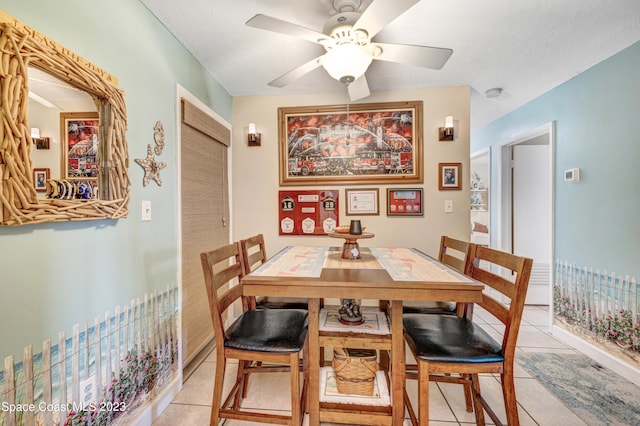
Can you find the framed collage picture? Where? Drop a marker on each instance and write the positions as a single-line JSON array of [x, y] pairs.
[[351, 144], [79, 142]]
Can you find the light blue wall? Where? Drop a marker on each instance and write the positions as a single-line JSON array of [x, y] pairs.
[[53, 276], [597, 116]]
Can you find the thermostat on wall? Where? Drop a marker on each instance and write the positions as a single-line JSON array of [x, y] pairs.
[[572, 175]]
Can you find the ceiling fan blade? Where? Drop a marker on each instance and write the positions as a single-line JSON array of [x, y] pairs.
[[268, 23], [422, 56], [358, 89], [296, 73], [380, 13]]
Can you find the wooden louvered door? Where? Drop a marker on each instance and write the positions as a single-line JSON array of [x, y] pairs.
[[205, 218]]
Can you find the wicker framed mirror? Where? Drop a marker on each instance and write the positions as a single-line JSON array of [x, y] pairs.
[[21, 47]]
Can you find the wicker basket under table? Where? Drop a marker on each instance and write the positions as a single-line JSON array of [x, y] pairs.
[[355, 370]]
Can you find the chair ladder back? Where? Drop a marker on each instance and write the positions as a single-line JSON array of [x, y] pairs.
[[460, 261], [515, 290], [222, 267], [493, 280], [254, 252]]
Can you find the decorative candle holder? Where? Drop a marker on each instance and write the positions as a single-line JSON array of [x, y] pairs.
[[355, 228]]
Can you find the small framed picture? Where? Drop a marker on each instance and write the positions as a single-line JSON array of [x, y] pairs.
[[40, 177], [405, 202], [362, 202], [449, 175], [42, 143]]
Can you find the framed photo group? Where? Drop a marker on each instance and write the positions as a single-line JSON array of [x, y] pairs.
[[377, 143], [400, 202]]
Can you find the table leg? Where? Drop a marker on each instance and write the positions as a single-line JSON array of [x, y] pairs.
[[314, 362], [397, 363]]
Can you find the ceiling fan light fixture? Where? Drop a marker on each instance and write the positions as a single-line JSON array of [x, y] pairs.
[[347, 62]]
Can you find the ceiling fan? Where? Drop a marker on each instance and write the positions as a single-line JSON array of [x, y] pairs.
[[347, 38]]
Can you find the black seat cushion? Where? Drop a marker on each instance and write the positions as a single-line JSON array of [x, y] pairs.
[[282, 303], [448, 338], [413, 307], [269, 330]]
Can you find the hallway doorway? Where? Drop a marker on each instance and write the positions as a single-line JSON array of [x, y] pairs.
[[526, 205]]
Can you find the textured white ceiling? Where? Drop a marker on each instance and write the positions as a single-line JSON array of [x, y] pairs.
[[527, 47]]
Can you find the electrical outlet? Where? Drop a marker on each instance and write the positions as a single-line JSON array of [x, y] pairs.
[[146, 210], [448, 206]]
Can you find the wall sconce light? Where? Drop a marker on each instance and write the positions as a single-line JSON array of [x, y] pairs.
[[41, 143], [446, 132], [252, 137]]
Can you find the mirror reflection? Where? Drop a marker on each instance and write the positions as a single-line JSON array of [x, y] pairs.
[[64, 120]]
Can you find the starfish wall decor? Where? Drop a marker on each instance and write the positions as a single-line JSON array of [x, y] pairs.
[[151, 167], [149, 164]]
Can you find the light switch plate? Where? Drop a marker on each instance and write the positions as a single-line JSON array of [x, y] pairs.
[[448, 206], [146, 210]]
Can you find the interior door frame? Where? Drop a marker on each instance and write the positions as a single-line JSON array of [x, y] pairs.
[[475, 155], [182, 93], [504, 197]]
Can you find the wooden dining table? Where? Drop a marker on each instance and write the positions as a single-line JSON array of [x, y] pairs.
[[391, 275]]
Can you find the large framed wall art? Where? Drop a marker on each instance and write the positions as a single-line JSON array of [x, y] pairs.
[[351, 144], [79, 142]]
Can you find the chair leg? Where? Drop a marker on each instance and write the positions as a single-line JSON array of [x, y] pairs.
[[243, 378], [468, 396], [407, 404], [477, 403], [423, 393], [509, 393], [296, 417], [245, 385], [305, 376], [242, 383], [218, 384]]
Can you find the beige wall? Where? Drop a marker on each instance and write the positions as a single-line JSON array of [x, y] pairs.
[[255, 179]]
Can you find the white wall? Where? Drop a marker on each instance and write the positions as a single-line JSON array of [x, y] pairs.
[[256, 178]]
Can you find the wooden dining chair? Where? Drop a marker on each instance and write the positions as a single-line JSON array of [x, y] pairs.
[[448, 344], [456, 254], [453, 253], [255, 254], [264, 340]]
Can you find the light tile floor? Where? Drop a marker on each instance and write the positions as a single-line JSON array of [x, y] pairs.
[[537, 406]]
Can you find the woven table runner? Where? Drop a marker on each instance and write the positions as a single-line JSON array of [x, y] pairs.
[[404, 264], [300, 261], [367, 261]]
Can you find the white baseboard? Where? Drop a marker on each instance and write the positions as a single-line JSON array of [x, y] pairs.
[[159, 403], [617, 365]]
